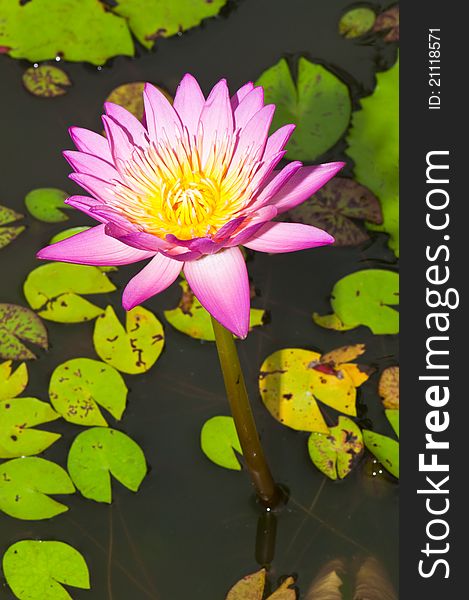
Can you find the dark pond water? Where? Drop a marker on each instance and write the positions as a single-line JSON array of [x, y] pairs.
[[191, 530]]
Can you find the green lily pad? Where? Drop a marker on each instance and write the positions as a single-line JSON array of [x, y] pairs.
[[25, 485], [98, 453], [356, 22], [79, 386], [191, 318], [373, 143], [77, 31], [220, 443], [134, 349], [19, 324], [52, 290], [338, 207], [12, 383], [8, 234], [366, 298], [331, 321], [337, 453], [319, 104], [151, 19], [47, 204], [384, 449], [35, 570], [393, 418], [46, 81], [18, 416]]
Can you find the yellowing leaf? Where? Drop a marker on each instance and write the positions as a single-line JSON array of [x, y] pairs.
[[389, 387], [12, 383], [343, 354], [252, 587], [134, 349], [130, 97]]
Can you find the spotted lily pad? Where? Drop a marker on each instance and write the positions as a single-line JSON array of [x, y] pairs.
[[318, 103], [366, 298], [98, 453], [46, 81], [337, 453], [18, 324], [17, 417], [47, 204], [291, 381], [12, 383], [384, 449], [389, 387], [220, 443], [338, 208], [191, 318], [10, 233], [53, 289], [252, 587], [25, 486], [388, 23], [373, 143], [35, 570], [79, 386], [356, 22], [134, 349], [130, 97]]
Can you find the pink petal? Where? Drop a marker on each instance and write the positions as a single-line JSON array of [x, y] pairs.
[[93, 247], [91, 165], [125, 233], [216, 118], [276, 183], [304, 184], [100, 189], [252, 226], [278, 140], [85, 205], [134, 129], [241, 93], [155, 277], [252, 138], [189, 102], [220, 282], [119, 140], [248, 107], [287, 237], [163, 122], [91, 143]]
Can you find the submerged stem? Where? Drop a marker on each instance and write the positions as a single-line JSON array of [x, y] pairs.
[[267, 491]]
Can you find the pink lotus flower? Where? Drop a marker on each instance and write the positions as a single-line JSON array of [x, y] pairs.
[[185, 191]]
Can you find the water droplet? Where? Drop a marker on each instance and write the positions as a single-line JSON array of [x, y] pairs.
[[99, 68], [35, 65], [57, 58]]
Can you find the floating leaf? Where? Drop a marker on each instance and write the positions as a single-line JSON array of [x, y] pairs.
[[219, 441], [53, 289], [25, 483], [12, 383], [98, 453], [290, 383], [78, 31], [393, 417], [285, 591], [134, 349], [343, 354], [191, 318], [151, 19], [389, 387], [388, 21], [330, 322], [19, 324], [374, 146], [34, 570], [79, 385], [356, 22], [336, 454], [46, 81], [252, 586], [130, 97], [384, 449], [365, 298], [47, 204], [17, 417], [8, 234], [336, 207], [319, 104]]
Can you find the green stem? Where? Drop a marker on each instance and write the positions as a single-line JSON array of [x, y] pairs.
[[267, 491]]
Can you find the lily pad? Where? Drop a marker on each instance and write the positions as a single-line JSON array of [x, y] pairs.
[[319, 104], [393, 417], [290, 384], [52, 290], [47, 204], [331, 321], [130, 97], [338, 208], [384, 449], [365, 298], [373, 143], [8, 234], [12, 383], [25, 485], [252, 587], [46, 81], [356, 22], [388, 22], [18, 416], [98, 453], [151, 19], [35, 570], [79, 386], [220, 443], [77, 31], [335, 454], [19, 324], [389, 387]]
